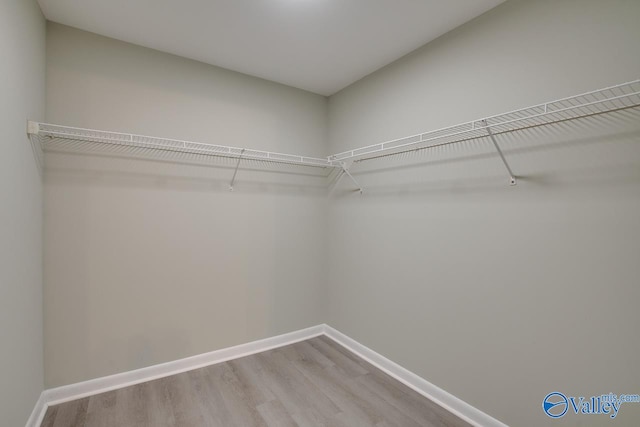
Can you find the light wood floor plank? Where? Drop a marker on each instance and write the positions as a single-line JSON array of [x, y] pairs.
[[311, 383], [358, 410], [307, 404], [275, 414], [255, 390], [159, 408], [242, 413], [101, 411], [347, 362]]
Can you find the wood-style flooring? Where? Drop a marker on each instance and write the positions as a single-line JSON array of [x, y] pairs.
[[311, 383]]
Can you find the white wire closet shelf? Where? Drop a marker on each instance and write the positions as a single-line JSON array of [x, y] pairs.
[[47, 134], [600, 101], [625, 95]]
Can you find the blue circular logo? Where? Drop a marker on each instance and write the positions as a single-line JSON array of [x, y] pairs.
[[555, 404]]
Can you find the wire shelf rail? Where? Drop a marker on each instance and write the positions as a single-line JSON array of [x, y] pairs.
[[47, 134], [605, 100], [622, 96]]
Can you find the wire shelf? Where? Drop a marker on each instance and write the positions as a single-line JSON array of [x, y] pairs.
[[50, 136], [609, 99], [622, 96]]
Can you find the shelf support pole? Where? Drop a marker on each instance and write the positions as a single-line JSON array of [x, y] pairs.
[[354, 180], [235, 172], [504, 160], [336, 181], [345, 170]]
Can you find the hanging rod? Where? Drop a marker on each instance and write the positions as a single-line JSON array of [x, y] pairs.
[[47, 133], [609, 99]]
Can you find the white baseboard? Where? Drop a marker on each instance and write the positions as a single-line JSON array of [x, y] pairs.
[[82, 389], [79, 390], [462, 409], [35, 419]]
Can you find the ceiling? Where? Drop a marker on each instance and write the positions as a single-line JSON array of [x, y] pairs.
[[318, 45]]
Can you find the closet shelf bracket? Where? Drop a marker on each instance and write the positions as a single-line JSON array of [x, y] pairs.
[[33, 128], [512, 177], [235, 172], [345, 170]]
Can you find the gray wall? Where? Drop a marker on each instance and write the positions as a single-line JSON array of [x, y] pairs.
[[498, 294], [22, 79], [150, 261]]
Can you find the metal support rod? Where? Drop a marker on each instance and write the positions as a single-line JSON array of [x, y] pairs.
[[495, 143], [236, 171], [336, 181], [346, 171]]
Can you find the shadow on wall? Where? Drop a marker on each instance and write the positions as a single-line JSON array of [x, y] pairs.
[[589, 152], [140, 247], [74, 163], [592, 151]]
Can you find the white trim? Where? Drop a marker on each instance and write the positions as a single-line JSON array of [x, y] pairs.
[[79, 390], [37, 415], [451, 403], [82, 389]]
